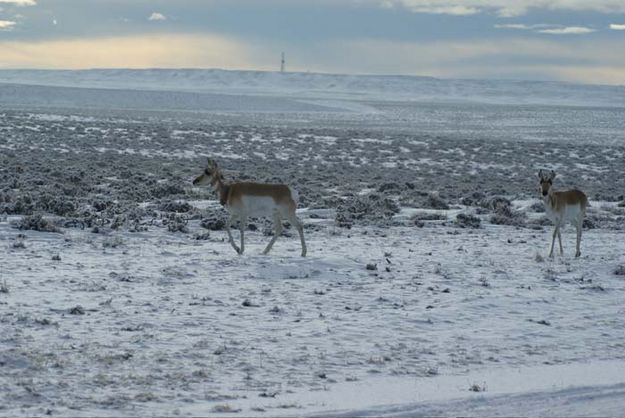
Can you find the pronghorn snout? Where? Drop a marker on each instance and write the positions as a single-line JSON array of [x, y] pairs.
[[201, 180], [545, 192]]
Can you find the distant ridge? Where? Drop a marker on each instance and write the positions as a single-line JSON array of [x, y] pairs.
[[322, 85]]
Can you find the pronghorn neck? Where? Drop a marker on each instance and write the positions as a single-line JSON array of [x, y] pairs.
[[550, 199], [222, 189]]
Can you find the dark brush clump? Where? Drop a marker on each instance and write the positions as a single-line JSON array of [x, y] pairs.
[[464, 220], [474, 199], [176, 223], [60, 206], [434, 201], [504, 214], [35, 223], [215, 221], [495, 202], [539, 223], [425, 216], [16, 204], [370, 208], [603, 221], [175, 188], [538, 207], [175, 206]]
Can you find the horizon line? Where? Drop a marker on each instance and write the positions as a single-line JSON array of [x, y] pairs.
[[323, 73]]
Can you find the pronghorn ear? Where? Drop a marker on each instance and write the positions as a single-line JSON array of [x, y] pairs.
[[540, 173], [552, 175]]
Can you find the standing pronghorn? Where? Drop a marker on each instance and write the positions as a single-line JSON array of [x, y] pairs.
[[243, 200], [562, 207]]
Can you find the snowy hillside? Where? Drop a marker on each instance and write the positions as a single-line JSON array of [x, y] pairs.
[[316, 85]]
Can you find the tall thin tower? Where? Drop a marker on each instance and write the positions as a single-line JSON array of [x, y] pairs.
[[282, 63]]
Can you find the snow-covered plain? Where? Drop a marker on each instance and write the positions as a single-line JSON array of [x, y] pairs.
[[329, 86], [141, 307]]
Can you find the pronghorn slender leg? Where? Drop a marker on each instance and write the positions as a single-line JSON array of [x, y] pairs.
[[560, 242], [579, 237], [242, 226], [553, 239], [300, 230], [277, 223], [230, 239]]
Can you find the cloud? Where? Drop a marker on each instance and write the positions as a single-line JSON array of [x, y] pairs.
[[157, 17], [6, 24], [504, 8], [568, 30], [514, 26], [615, 26], [554, 58], [20, 2], [547, 28], [456, 10], [162, 50]]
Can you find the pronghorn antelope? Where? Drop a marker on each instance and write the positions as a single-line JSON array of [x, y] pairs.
[[562, 207], [243, 200]]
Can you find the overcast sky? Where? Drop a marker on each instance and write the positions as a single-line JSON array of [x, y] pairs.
[[570, 40]]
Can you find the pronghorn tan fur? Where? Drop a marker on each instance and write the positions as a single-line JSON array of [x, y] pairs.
[[562, 207], [243, 200]]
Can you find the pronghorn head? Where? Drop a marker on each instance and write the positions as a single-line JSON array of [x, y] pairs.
[[211, 175], [546, 180]]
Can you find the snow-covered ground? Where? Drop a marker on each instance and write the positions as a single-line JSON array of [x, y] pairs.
[[134, 323], [427, 290]]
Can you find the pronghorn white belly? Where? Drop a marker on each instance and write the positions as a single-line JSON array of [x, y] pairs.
[[570, 213], [258, 206]]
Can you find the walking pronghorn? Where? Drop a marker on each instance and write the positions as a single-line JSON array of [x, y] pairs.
[[243, 200], [562, 207]]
